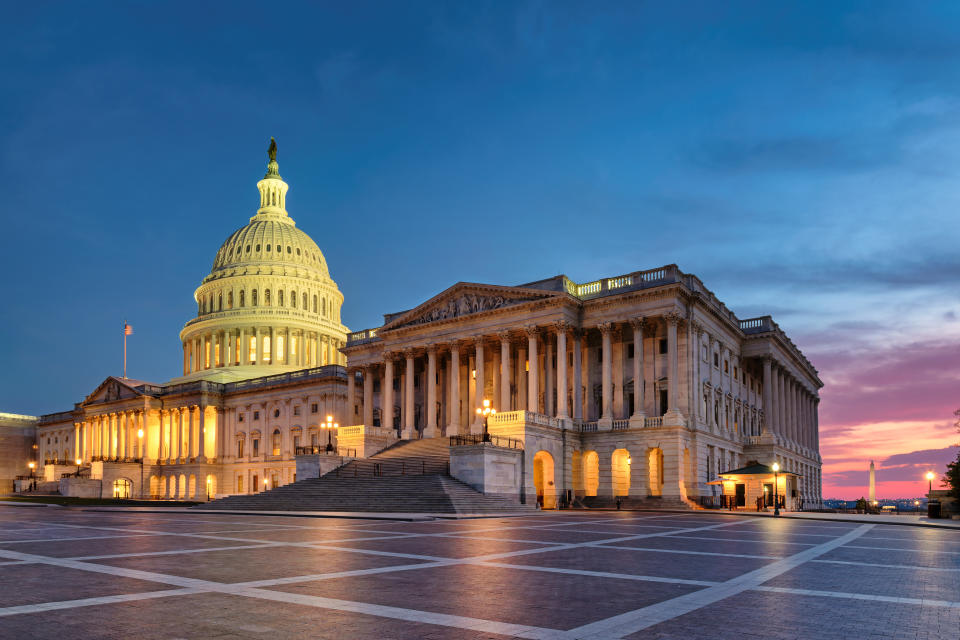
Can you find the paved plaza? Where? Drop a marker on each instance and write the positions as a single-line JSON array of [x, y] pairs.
[[87, 574]]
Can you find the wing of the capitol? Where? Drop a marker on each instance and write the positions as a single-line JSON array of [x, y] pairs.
[[640, 389]]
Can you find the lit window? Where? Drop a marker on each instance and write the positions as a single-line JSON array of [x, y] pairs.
[[252, 355], [256, 447], [266, 347], [280, 338]]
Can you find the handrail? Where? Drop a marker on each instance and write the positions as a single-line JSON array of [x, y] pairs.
[[318, 449], [480, 438], [373, 468]]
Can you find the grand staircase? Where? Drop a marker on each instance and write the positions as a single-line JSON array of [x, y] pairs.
[[411, 476]]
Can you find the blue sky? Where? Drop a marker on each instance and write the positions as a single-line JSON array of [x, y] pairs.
[[801, 158]]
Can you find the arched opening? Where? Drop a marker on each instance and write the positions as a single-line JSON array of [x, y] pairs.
[[122, 488], [543, 480], [591, 473], [211, 487], [620, 463], [182, 491], [170, 486], [655, 470], [275, 442], [293, 299], [576, 468], [192, 486], [242, 298]]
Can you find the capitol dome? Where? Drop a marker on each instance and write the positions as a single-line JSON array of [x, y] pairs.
[[269, 304]]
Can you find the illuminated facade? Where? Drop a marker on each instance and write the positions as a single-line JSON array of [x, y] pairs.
[[642, 386], [262, 369]]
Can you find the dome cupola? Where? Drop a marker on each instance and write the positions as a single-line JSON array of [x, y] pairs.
[[269, 304]]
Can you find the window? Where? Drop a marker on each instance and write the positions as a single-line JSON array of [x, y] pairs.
[[266, 297], [252, 353], [220, 301], [121, 488], [293, 299], [256, 447], [280, 298], [296, 411], [240, 448], [296, 443], [304, 299], [324, 306], [248, 248], [253, 298], [314, 304], [230, 300], [276, 442], [242, 299], [269, 247], [239, 484], [266, 345], [279, 249], [255, 485], [289, 250], [276, 413], [726, 366], [629, 351], [239, 417], [663, 345], [258, 248], [280, 340], [256, 415], [736, 372], [716, 360], [314, 408]]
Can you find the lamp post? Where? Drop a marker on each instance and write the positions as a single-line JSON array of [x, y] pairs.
[[916, 506], [486, 412], [140, 455], [776, 501], [930, 476], [32, 466], [79, 462], [329, 425]]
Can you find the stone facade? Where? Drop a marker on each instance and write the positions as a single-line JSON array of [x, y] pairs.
[[639, 385]]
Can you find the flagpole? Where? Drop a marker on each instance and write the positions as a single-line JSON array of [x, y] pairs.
[[124, 349]]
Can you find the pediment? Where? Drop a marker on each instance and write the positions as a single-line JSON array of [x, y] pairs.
[[464, 299], [111, 390]]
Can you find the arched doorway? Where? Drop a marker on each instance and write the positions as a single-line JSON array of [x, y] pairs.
[[620, 463], [122, 488], [655, 467], [591, 473], [576, 465], [543, 480], [191, 486], [211, 487], [182, 492], [155, 486]]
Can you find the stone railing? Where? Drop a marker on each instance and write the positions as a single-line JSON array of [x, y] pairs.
[[757, 325], [636, 280], [620, 425], [260, 311], [653, 422], [361, 337], [751, 440], [584, 426], [524, 416]]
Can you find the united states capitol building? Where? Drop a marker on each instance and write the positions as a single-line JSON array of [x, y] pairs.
[[640, 387]]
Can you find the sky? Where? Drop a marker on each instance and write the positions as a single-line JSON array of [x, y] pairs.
[[803, 159]]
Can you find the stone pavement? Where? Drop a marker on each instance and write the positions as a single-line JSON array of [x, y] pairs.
[[112, 574]]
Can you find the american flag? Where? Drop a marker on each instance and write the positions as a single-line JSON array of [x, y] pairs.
[[127, 329]]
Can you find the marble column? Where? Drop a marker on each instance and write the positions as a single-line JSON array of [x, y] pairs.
[[521, 376], [577, 374], [606, 377], [505, 369], [386, 394], [409, 413], [673, 375], [477, 423], [562, 387], [454, 427], [201, 435], [533, 379], [637, 417], [547, 375], [349, 419], [431, 404], [367, 379]]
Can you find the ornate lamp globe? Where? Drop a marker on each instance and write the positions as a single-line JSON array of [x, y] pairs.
[[269, 304]]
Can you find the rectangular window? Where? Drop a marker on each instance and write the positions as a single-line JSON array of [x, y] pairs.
[[716, 360], [629, 352], [726, 366], [206, 354], [266, 349], [255, 485], [296, 411], [280, 346], [239, 484], [293, 344], [216, 354], [239, 417], [240, 448], [663, 345], [296, 442], [314, 408], [736, 372], [256, 415], [252, 352], [256, 447]]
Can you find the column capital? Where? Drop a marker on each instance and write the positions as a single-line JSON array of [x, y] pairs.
[[639, 322], [504, 335], [561, 326], [479, 339], [605, 327], [410, 353], [532, 330], [432, 348], [672, 318]]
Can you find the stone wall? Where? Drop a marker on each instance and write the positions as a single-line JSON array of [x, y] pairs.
[[488, 469]]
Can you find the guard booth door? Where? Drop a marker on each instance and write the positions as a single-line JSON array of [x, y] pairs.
[[741, 495]]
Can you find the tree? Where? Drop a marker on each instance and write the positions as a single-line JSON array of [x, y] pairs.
[[952, 477]]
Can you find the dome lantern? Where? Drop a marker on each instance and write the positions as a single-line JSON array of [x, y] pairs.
[[273, 191]]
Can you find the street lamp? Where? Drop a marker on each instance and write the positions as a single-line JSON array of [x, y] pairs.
[[266, 484], [486, 412], [916, 505], [79, 462], [930, 476], [140, 455], [329, 425], [776, 501], [32, 466]]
